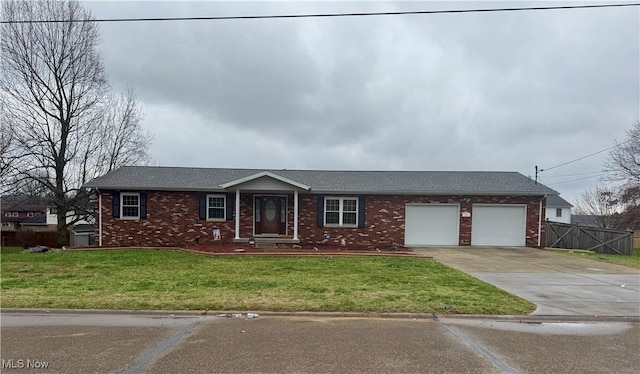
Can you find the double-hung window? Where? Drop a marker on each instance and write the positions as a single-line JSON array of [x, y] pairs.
[[558, 212], [216, 207], [130, 205], [341, 211]]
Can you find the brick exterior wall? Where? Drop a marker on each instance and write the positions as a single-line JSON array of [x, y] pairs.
[[173, 220]]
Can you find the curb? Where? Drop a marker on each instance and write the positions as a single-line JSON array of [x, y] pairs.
[[373, 315]]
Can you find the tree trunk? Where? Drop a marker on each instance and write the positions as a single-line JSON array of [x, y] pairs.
[[62, 238]]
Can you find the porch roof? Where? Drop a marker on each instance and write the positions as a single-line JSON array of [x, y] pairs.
[[324, 181], [256, 176]]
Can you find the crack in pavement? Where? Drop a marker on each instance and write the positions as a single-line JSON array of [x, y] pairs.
[[158, 349], [477, 347]]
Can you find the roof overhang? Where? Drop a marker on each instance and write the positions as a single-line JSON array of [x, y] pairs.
[[268, 174], [433, 193]]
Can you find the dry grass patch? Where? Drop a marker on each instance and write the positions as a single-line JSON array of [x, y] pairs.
[[630, 261]]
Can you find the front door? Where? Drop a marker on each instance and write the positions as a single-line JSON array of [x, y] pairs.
[[270, 215]]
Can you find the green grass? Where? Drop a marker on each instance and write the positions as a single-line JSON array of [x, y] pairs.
[[631, 261], [176, 280], [9, 250]]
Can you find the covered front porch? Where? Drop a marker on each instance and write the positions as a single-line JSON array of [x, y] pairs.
[[272, 209]]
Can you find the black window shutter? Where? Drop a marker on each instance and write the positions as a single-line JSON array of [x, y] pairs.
[[143, 205], [361, 212], [320, 211], [230, 205], [115, 204], [202, 206]]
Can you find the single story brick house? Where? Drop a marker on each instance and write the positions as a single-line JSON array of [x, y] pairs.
[[177, 206]]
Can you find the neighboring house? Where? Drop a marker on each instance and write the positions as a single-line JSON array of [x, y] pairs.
[[588, 220], [30, 213], [164, 206], [558, 209], [23, 212]]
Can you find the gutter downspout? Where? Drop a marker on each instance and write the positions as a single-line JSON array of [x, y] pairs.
[[99, 217], [237, 227], [540, 221], [295, 214]]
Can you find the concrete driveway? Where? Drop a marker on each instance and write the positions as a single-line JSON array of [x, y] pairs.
[[556, 283]]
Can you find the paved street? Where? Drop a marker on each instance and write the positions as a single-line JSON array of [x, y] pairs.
[[162, 343], [556, 283]]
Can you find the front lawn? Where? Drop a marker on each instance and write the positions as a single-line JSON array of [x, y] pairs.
[[631, 261], [177, 280]]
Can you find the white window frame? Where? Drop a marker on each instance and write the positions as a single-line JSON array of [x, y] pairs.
[[122, 206], [224, 208], [558, 212], [341, 212]]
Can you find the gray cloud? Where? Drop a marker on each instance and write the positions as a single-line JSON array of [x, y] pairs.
[[500, 91]]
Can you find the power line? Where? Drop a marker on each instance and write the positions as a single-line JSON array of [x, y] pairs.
[[573, 180], [589, 155], [540, 170], [575, 174], [578, 159], [326, 15]]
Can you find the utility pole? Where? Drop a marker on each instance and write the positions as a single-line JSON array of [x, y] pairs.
[[538, 171]]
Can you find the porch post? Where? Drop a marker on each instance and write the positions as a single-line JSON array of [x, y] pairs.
[[295, 214], [237, 214], [99, 217]]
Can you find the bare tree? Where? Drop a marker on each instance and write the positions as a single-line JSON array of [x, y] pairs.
[[57, 100], [629, 218], [623, 164], [7, 158], [600, 202], [117, 140], [624, 160]]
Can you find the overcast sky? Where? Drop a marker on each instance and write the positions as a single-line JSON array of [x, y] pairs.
[[478, 91]]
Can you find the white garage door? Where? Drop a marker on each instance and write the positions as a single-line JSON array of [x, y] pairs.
[[498, 225], [431, 225]]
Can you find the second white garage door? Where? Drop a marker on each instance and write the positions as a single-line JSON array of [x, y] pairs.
[[431, 225], [502, 225]]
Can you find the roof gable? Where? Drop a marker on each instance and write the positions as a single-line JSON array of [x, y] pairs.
[[264, 176], [557, 201]]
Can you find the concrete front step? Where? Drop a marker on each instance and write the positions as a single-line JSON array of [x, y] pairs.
[[268, 242]]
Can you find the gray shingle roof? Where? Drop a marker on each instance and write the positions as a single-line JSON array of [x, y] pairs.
[[585, 219], [326, 181], [35, 221], [557, 201], [22, 203]]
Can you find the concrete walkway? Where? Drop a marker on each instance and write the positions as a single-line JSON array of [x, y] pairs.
[[556, 283]]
